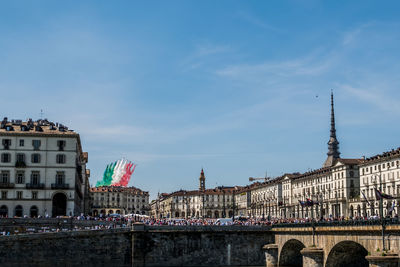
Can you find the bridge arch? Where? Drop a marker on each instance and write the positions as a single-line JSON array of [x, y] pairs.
[[290, 254], [347, 253]]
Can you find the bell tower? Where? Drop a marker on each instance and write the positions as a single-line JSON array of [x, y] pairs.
[[202, 179]]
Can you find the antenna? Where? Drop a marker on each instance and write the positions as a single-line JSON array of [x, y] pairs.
[[41, 114]]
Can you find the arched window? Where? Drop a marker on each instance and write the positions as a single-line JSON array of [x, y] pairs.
[[34, 212], [18, 211], [3, 211], [59, 205]]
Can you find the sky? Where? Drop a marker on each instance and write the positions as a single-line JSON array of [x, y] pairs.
[[239, 88]]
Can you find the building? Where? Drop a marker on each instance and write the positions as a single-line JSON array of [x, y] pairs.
[[203, 203], [242, 197], [336, 189], [117, 199], [42, 170], [330, 186], [266, 198], [380, 172]]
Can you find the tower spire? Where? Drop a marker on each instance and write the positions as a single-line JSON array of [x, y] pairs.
[[333, 144]]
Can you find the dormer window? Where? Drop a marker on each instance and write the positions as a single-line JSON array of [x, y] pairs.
[[61, 145], [38, 128], [9, 128], [24, 128], [6, 143], [36, 144]]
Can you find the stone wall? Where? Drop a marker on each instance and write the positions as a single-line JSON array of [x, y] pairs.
[[140, 246], [83, 248], [200, 245]]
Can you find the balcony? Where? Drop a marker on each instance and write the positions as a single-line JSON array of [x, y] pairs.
[[20, 164], [59, 186], [34, 186], [6, 185]]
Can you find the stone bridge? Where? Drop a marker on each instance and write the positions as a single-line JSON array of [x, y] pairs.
[[333, 246]]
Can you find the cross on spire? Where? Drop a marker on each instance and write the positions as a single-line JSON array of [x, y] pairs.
[[333, 144]]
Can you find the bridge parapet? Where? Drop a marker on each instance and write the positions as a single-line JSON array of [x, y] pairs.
[[338, 243]]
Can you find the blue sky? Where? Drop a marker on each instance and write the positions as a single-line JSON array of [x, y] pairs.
[[236, 87]]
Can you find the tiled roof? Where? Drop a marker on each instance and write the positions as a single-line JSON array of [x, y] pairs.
[[117, 189], [30, 127], [351, 161], [394, 153]]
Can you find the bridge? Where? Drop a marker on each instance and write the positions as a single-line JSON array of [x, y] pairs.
[[315, 245], [333, 245]]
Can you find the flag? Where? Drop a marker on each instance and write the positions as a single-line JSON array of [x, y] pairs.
[[308, 203], [369, 204], [379, 195]]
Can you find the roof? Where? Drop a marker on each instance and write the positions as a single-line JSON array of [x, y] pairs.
[[35, 128], [351, 161], [117, 189], [394, 153]]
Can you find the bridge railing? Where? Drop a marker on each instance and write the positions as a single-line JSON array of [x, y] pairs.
[[389, 221]]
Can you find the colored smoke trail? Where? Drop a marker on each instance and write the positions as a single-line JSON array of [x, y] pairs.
[[117, 173]]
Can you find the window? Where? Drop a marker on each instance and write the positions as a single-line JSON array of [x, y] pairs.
[[5, 177], [3, 194], [35, 177], [20, 157], [6, 143], [20, 177], [6, 157], [35, 158], [21, 142], [351, 174], [36, 144], [61, 145], [34, 194], [60, 158], [19, 194], [60, 177]]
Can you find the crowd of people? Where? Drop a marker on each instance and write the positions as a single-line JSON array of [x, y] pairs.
[[111, 222]]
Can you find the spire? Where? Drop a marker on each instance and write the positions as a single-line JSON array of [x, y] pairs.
[[202, 179], [333, 144]]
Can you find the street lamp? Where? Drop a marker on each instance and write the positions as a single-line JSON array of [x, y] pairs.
[[381, 208], [263, 207]]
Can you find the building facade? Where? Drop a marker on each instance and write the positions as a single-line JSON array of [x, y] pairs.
[[381, 172], [342, 187], [266, 198], [203, 203], [119, 200], [42, 170]]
